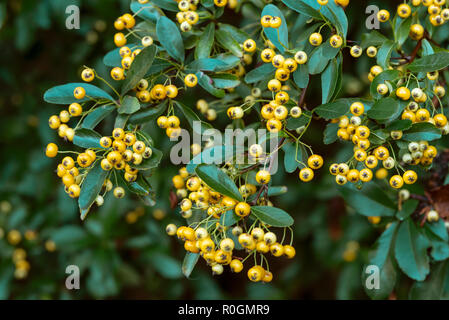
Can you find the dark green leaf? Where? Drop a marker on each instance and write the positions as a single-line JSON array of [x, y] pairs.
[[91, 187], [96, 116], [189, 263], [170, 38], [411, 251], [148, 114], [264, 72], [87, 138], [63, 94], [370, 201], [218, 181], [228, 43], [139, 68], [272, 216], [279, 36], [422, 131], [384, 109], [433, 62], [329, 80], [129, 105], [206, 82], [383, 259], [205, 43]]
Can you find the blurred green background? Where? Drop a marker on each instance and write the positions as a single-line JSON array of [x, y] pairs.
[[121, 249]]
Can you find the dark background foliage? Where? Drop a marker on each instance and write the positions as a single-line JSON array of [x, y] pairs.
[[119, 259]]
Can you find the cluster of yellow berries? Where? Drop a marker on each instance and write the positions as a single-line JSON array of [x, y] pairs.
[[72, 172], [209, 238], [353, 130], [420, 153], [123, 152], [156, 94], [220, 253], [127, 54], [60, 122], [437, 15], [171, 124], [187, 16]]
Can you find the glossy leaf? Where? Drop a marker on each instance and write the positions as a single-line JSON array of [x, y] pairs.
[[91, 187], [272, 216], [170, 38], [139, 68], [86, 138], [63, 94], [218, 181]]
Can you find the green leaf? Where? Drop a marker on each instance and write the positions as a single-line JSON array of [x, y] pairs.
[[335, 14], [290, 151], [272, 216], [225, 81], [96, 116], [433, 62], [208, 64], [87, 138], [140, 186], [411, 251], [192, 117], [264, 72], [279, 36], [422, 131], [408, 208], [170, 38], [148, 114], [437, 234], [146, 11], [63, 94], [189, 263], [371, 201], [129, 105], [121, 120], [204, 46], [384, 54], [403, 30], [383, 259], [330, 133], [301, 76], [399, 125], [218, 181], [329, 80], [304, 7], [384, 109], [320, 57], [91, 187], [228, 43], [151, 162], [166, 5], [435, 287], [207, 84], [139, 68], [374, 38], [333, 110]]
